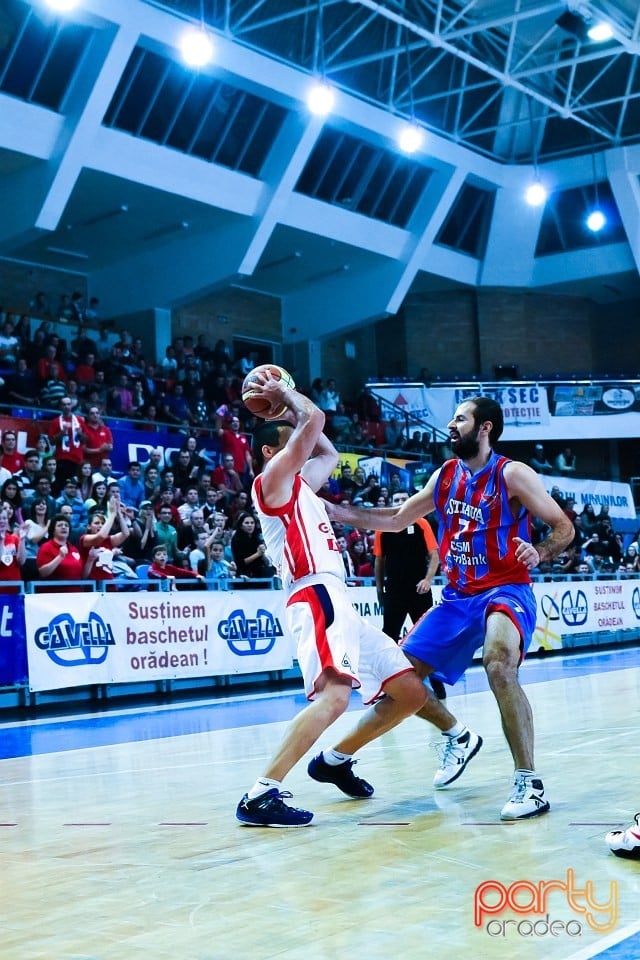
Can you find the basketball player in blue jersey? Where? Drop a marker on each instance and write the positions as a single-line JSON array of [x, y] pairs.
[[484, 503]]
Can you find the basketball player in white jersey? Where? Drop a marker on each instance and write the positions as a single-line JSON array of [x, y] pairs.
[[337, 650]]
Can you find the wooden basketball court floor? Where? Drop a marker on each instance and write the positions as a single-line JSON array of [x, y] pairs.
[[118, 837]]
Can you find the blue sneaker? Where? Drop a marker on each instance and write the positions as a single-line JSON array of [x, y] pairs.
[[268, 810], [342, 775]]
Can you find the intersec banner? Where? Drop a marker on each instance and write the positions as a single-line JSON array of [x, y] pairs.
[[532, 411], [118, 638], [523, 405]]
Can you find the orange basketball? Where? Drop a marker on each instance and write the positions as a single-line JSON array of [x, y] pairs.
[[255, 401]]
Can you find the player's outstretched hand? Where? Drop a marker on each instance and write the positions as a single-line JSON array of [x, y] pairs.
[[526, 553]]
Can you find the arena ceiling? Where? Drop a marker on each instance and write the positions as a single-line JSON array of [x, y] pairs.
[[505, 78], [161, 186]]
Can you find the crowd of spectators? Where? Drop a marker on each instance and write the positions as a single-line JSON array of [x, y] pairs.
[[597, 548], [64, 515], [88, 525]]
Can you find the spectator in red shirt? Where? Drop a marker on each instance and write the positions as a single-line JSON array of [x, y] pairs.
[[165, 499], [162, 570], [99, 437], [12, 550], [226, 478], [238, 445], [57, 558], [99, 546], [11, 460], [67, 434], [49, 361], [85, 371]]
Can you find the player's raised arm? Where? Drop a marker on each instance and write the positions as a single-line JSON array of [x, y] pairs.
[[391, 519], [290, 442]]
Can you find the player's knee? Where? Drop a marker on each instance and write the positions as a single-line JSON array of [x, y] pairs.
[[336, 697], [414, 693], [500, 673]]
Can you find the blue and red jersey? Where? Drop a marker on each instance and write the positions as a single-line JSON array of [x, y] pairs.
[[477, 527]]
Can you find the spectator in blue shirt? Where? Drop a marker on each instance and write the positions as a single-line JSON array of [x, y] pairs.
[[132, 489], [70, 498]]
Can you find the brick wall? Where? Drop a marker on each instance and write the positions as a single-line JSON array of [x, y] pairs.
[[464, 334], [229, 313]]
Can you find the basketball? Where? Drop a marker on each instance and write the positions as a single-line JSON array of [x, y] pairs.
[[254, 401]]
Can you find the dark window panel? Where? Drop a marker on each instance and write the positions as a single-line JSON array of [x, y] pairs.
[[351, 173], [171, 92], [196, 102], [53, 83], [563, 227], [466, 227], [31, 50], [162, 101]]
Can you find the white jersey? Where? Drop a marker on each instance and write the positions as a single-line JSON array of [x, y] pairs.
[[299, 537]]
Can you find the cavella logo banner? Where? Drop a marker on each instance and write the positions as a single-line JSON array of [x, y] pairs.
[[118, 638]]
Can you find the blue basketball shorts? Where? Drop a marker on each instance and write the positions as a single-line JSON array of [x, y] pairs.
[[448, 635]]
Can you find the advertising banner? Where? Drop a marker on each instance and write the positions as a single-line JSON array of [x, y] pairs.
[[522, 405], [589, 399], [13, 649], [132, 443], [565, 609], [107, 638], [601, 493], [111, 638], [593, 606], [562, 411], [532, 411]]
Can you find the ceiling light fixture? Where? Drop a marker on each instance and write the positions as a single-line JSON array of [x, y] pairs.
[[574, 23], [321, 96], [321, 99], [600, 32], [166, 230], [63, 6], [288, 258], [196, 44], [579, 22], [74, 254], [410, 138], [101, 217], [536, 194], [596, 221], [196, 47]]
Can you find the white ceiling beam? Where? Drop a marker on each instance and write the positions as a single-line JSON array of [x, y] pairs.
[[79, 130], [623, 176], [441, 192], [288, 158]]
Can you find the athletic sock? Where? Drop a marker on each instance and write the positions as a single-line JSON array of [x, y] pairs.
[[456, 731], [261, 786], [333, 758]]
